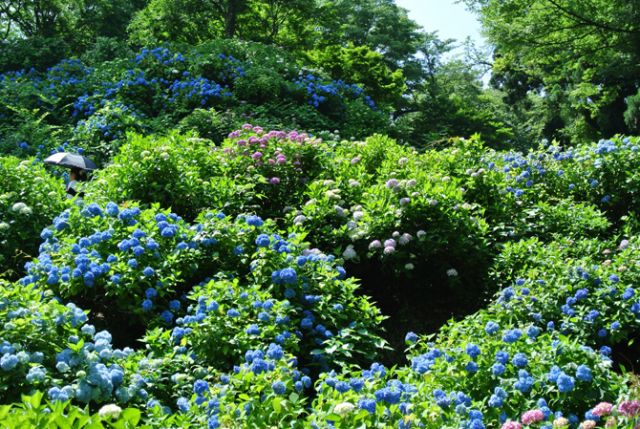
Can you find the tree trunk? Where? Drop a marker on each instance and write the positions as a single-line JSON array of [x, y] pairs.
[[234, 7]]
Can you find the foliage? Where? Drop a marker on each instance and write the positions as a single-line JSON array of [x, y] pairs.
[[580, 54], [174, 171], [363, 66], [50, 346], [244, 323], [29, 199]]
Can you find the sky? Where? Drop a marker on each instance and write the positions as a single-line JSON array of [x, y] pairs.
[[449, 19]]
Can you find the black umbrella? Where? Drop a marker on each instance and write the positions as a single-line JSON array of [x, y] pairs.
[[71, 160]]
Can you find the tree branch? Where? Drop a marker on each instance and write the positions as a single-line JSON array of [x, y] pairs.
[[572, 14]]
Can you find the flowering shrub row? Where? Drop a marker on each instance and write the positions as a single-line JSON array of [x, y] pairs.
[[94, 107], [244, 324]]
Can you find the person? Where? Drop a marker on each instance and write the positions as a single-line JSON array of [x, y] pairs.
[[76, 175]]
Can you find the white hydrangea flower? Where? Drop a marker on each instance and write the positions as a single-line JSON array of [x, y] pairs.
[[452, 272], [110, 411], [18, 207], [343, 408], [375, 244]]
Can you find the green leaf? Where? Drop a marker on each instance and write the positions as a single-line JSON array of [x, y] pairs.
[[131, 415]]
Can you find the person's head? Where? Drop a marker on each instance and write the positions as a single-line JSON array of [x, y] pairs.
[[78, 174]]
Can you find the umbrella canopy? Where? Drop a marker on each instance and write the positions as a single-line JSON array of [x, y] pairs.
[[71, 160]]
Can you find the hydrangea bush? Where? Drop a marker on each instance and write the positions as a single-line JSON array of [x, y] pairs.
[[49, 346], [29, 200]]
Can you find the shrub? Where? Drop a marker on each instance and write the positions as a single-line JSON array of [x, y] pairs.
[[29, 199], [208, 124], [175, 171], [118, 261], [49, 346]]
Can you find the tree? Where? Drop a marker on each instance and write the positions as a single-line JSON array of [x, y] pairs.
[[361, 65], [76, 22], [380, 25], [582, 54], [281, 22], [29, 18]]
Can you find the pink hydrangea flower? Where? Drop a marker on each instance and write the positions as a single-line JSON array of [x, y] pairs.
[[511, 425], [629, 408], [602, 409], [274, 180], [256, 155], [588, 424], [532, 416]]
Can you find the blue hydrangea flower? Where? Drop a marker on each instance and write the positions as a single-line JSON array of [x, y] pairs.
[[473, 350], [288, 276], [583, 373], [278, 387], [253, 330], [410, 338], [263, 240], [112, 209], [491, 327], [520, 360], [200, 387], [368, 405], [8, 361], [498, 369], [183, 404], [512, 335], [565, 383], [254, 221]]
